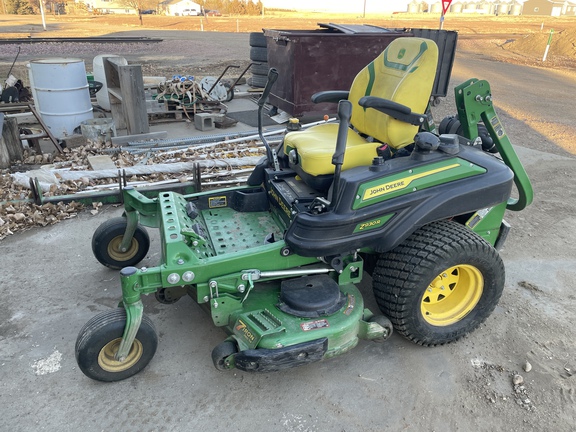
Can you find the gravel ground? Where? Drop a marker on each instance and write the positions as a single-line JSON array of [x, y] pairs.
[[197, 57]]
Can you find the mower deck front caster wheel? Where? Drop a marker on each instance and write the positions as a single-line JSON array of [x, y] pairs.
[[221, 352], [106, 243], [384, 322], [98, 343], [163, 296]]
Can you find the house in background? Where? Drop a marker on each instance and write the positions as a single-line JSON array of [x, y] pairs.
[[180, 8], [109, 7], [485, 7], [550, 7]]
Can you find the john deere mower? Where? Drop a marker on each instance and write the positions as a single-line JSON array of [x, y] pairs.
[[276, 262]]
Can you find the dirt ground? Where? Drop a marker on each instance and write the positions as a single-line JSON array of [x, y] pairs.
[[465, 386], [512, 39]]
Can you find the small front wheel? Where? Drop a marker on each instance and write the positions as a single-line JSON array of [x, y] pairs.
[[106, 243], [221, 352], [164, 296], [386, 324], [98, 343]]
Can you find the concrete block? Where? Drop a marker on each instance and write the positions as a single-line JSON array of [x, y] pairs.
[[204, 121], [101, 162]]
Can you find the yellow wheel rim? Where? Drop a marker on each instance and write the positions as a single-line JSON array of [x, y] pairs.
[[114, 249], [452, 295], [106, 356]]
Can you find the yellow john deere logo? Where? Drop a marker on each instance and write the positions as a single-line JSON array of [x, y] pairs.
[[401, 53], [402, 183]]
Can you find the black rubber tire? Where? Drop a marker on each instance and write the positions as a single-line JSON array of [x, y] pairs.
[[260, 69], [452, 125], [384, 322], [257, 81], [446, 124], [259, 54], [403, 276], [164, 297], [272, 112], [105, 328], [230, 94], [221, 351], [112, 231], [257, 39]]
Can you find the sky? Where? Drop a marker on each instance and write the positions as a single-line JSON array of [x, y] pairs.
[[351, 6]]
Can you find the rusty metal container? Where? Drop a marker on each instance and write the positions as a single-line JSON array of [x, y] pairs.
[[446, 41], [309, 61]]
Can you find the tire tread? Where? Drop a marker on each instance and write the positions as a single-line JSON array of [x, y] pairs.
[[92, 333], [100, 236], [401, 271]]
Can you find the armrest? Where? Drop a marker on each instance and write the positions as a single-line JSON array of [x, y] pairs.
[[334, 96], [393, 109]]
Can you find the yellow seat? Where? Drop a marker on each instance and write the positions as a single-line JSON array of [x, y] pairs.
[[403, 73]]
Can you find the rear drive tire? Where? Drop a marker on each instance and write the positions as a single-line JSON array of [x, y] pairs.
[[440, 284]]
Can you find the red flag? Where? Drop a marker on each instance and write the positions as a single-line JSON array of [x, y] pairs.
[[445, 6]]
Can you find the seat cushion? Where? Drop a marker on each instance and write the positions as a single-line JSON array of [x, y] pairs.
[[316, 145]]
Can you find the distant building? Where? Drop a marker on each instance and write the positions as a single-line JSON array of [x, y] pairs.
[[180, 8], [415, 6], [549, 7], [485, 7], [109, 7]]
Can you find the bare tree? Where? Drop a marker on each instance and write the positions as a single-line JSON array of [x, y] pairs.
[[139, 6]]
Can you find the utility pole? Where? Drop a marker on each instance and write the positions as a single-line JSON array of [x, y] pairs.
[[42, 13]]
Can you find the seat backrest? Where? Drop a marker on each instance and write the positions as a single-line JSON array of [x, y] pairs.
[[403, 73]]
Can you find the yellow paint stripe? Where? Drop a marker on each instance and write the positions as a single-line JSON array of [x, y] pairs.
[[400, 184]]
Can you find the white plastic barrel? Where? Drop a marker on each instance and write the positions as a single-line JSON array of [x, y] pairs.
[[61, 94], [102, 97]]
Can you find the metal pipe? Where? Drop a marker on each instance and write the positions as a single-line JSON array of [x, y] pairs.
[[282, 273], [179, 149], [194, 140], [208, 138], [97, 39], [220, 77], [105, 196], [200, 146], [10, 70]]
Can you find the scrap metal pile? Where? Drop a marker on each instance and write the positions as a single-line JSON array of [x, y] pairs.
[[46, 189], [192, 96]]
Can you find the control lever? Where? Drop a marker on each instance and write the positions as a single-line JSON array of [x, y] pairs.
[[270, 154], [344, 114]]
